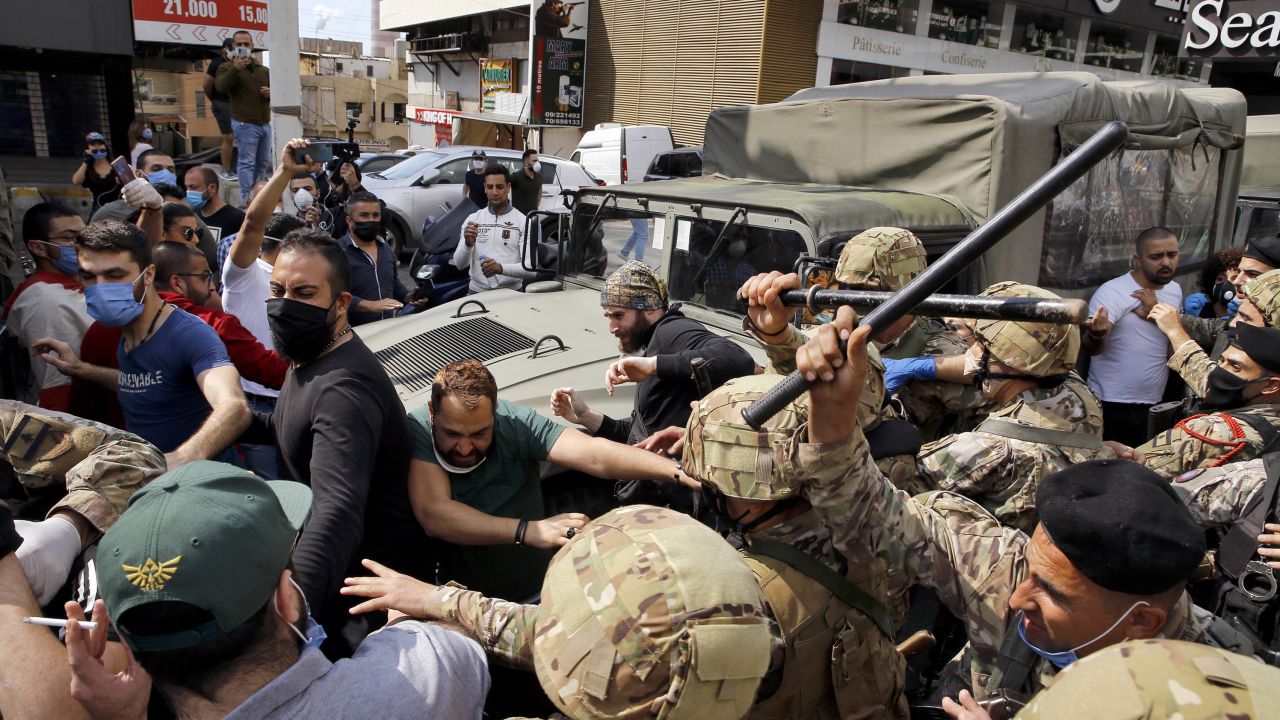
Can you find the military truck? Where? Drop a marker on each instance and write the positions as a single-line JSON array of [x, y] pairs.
[[1258, 209], [937, 155]]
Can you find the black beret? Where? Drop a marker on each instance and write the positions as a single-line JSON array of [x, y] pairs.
[[1121, 525], [1261, 344], [1266, 249]]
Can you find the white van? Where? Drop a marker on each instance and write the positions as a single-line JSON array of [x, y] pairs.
[[620, 154]]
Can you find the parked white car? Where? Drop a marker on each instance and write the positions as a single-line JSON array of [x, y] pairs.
[[428, 184]]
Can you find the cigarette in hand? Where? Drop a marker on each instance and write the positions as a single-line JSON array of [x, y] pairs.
[[58, 622]]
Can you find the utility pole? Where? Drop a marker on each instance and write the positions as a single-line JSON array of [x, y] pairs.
[[286, 83]]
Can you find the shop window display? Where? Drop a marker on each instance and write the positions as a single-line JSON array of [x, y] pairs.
[[1166, 63], [848, 71], [1115, 48], [892, 15], [1046, 34], [972, 22]]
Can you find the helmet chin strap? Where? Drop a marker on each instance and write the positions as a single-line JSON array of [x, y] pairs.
[[984, 373]]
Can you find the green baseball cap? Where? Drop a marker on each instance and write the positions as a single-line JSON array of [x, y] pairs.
[[207, 534]]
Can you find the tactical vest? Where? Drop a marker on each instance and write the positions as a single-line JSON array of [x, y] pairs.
[[1247, 596], [837, 662]]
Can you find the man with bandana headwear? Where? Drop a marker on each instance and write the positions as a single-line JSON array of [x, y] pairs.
[[673, 360]]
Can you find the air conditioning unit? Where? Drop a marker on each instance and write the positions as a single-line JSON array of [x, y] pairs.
[[146, 88]]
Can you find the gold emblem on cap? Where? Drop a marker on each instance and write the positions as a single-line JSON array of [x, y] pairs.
[[152, 576]]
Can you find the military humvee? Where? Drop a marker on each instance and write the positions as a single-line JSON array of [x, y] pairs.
[[1258, 209], [937, 155]]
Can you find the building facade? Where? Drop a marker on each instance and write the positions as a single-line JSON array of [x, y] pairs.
[[1116, 40]]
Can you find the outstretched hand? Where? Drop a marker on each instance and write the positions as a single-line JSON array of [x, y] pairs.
[[390, 590]]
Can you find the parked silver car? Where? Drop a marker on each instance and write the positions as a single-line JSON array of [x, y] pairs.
[[426, 185]]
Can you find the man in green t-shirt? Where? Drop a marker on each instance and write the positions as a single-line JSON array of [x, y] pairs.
[[474, 480]]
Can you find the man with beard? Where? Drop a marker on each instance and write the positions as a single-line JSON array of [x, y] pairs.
[[1128, 370], [660, 346], [475, 480], [340, 428], [376, 290]]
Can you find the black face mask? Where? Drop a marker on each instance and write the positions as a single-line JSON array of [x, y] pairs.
[[366, 229], [1226, 391], [1224, 292], [299, 331]]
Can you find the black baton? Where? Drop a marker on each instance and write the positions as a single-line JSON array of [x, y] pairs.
[[1024, 205], [1060, 312]]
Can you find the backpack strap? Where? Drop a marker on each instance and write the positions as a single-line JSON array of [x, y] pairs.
[[839, 585], [1240, 543], [1013, 665], [1044, 436]]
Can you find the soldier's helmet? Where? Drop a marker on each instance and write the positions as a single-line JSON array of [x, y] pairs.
[[647, 613], [881, 258], [722, 450], [1160, 679], [1036, 349], [1264, 292]]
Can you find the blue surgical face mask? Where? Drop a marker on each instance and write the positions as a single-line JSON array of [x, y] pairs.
[[1066, 657], [147, 134], [164, 175], [66, 262], [98, 154], [196, 200], [315, 635], [113, 304]]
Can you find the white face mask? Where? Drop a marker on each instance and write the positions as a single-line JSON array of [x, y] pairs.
[[536, 166], [303, 199], [454, 468], [477, 165]]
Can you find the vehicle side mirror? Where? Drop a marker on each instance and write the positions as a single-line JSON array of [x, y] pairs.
[[429, 178]]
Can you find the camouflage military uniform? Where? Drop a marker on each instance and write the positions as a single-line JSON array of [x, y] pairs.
[[645, 613], [1190, 360], [938, 408], [943, 541], [99, 466], [1002, 473], [872, 410], [1204, 441], [829, 658], [1160, 679], [1217, 496]]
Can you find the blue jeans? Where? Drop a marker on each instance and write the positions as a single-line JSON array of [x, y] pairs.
[[639, 238], [253, 143], [260, 459]]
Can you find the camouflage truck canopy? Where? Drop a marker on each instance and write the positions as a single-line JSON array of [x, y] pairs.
[[1261, 175], [981, 139]]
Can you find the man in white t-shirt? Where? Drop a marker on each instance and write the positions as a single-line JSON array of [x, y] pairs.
[[246, 285], [1128, 371], [493, 238]]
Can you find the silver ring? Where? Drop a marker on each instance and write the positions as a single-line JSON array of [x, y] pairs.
[[572, 531]]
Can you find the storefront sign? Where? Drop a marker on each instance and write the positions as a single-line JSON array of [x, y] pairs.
[[558, 62], [198, 22], [496, 76], [1229, 29], [1162, 16], [883, 47], [430, 116]]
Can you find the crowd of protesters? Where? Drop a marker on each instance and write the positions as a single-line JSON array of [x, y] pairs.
[[219, 477]]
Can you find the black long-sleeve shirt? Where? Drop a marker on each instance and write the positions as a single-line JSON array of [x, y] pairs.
[[663, 399], [342, 430]]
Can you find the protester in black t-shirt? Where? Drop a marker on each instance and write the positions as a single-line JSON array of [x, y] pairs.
[[473, 181], [526, 185], [205, 197], [96, 173], [339, 425]]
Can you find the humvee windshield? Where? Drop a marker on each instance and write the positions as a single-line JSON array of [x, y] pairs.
[[600, 235]]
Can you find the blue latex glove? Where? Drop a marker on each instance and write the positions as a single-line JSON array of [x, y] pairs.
[[900, 372]]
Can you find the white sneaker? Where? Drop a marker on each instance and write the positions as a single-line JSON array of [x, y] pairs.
[[227, 175]]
